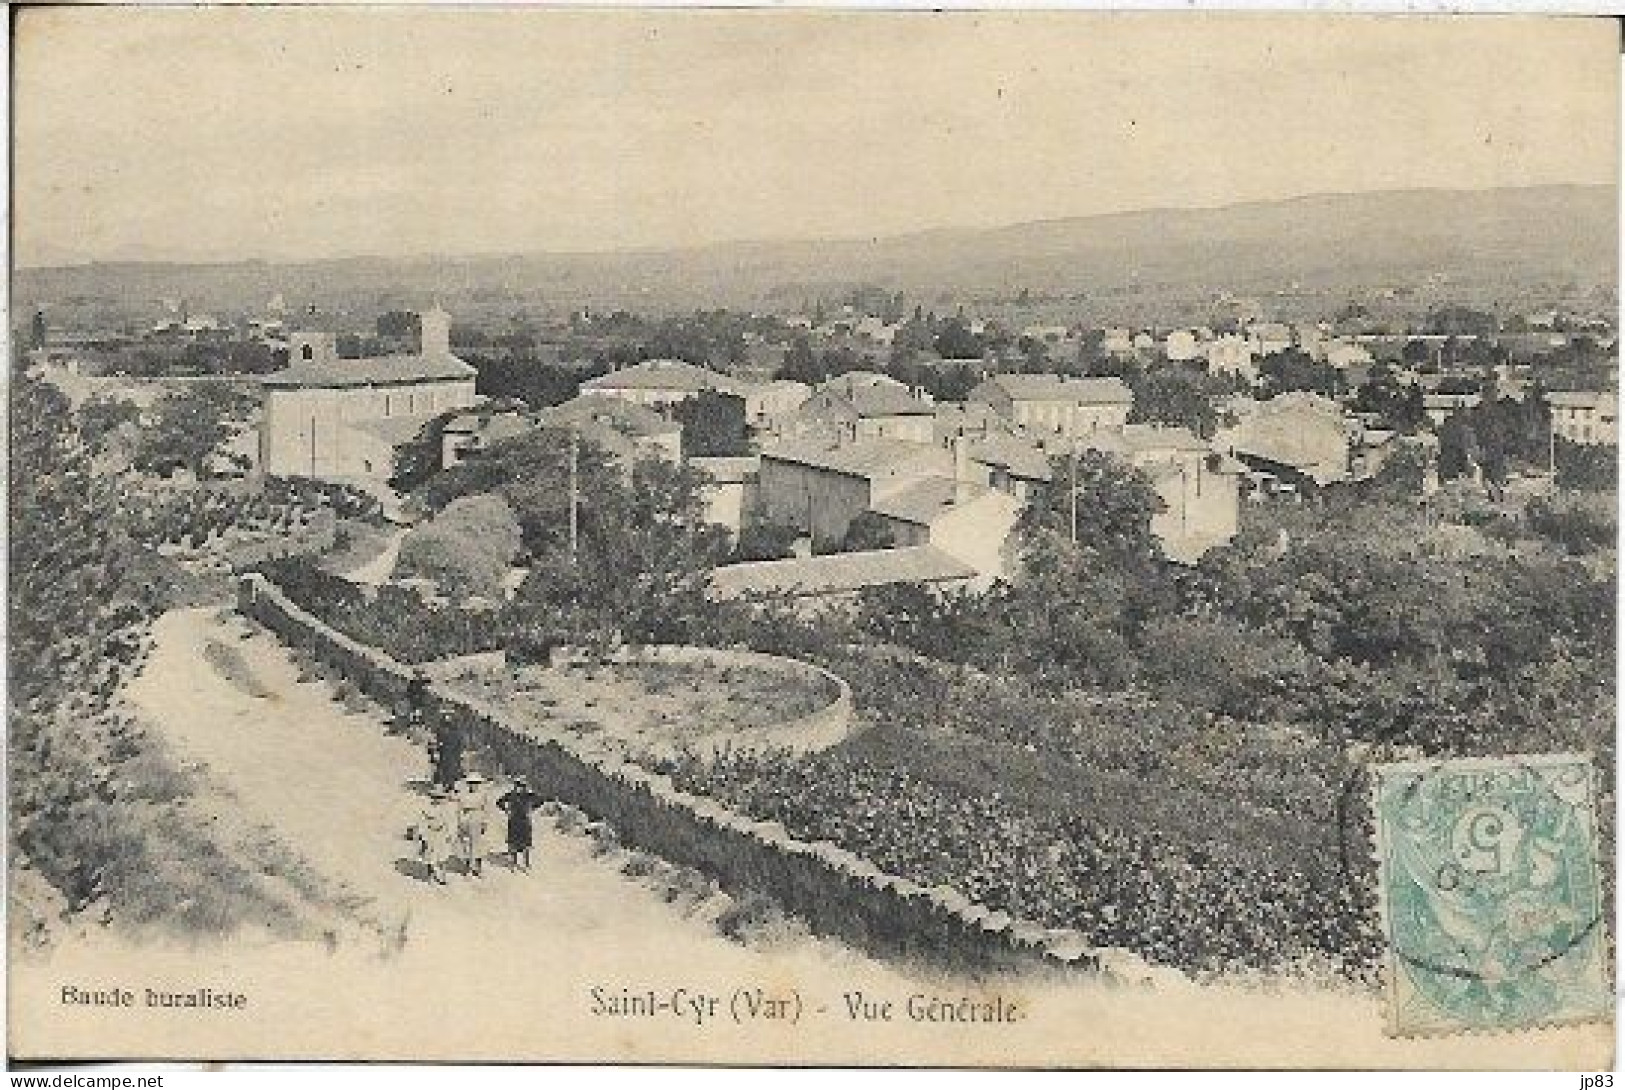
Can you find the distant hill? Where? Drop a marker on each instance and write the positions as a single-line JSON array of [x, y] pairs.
[[1478, 239]]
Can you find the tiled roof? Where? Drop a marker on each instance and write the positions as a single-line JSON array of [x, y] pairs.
[[923, 500], [858, 380], [1145, 439], [664, 375], [614, 412], [868, 458], [872, 401], [373, 370], [1087, 391], [836, 573], [1015, 456], [1580, 399]]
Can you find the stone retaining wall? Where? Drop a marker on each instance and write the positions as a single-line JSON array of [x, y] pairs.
[[834, 890], [810, 733]]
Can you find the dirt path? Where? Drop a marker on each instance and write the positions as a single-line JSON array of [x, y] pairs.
[[506, 967], [380, 567]]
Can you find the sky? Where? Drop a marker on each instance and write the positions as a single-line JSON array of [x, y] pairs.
[[226, 133]]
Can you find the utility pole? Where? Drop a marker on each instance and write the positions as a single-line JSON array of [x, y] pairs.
[[1072, 492], [575, 494]]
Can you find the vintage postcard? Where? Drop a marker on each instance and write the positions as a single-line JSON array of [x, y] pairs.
[[1041, 540]]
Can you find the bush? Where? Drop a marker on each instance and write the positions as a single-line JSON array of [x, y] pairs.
[[1578, 523], [466, 549]]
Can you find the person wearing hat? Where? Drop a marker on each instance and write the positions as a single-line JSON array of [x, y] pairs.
[[517, 802], [471, 823], [434, 835]]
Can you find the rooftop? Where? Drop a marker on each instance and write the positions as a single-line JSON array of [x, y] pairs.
[[1015, 456], [1092, 391], [837, 573], [868, 458], [923, 500], [664, 375], [372, 371], [614, 412], [1581, 399]]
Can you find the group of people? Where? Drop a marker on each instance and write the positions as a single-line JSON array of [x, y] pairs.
[[454, 825]]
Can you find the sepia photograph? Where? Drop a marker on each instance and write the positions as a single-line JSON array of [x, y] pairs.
[[801, 538]]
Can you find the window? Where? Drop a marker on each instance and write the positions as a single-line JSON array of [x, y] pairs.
[[307, 352]]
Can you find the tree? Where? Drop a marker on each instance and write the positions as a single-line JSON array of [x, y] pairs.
[[189, 426], [1176, 398], [955, 341], [100, 416], [1097, 503], [713, 425], [641, 566], [1293, 369], [764, 541], [867, 531], [1459, 451], [800, 365]]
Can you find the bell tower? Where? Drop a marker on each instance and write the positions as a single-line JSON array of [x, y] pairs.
[[309, 348], [434, 338]]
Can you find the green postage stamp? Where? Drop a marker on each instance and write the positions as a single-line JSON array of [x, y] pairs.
[[1489, 878]]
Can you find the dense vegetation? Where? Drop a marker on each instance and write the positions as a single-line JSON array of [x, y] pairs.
[[101, 814]]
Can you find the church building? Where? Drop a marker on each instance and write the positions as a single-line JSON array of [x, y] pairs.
[[341, 419]]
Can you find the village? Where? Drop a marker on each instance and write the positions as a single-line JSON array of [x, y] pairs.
[[812, 537], [860, 479]]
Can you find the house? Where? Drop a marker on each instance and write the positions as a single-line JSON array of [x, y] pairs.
[[1270, 337], [820, 487], [946, 526], [1297, 437], [626, 429], [1584, 416], [339, 419], [730, 489], [952, 418], [769, 403], [956, 514], [849, 409], [1200, 493], [1344, 355], [1181, 346], [661, 383], [1056, 404], [1232, 355], [1117, 342], [1008, 464], [478, 429], [622, 429], [1440, 405]]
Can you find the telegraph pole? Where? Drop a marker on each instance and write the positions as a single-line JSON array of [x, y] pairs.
[[1072, 492]]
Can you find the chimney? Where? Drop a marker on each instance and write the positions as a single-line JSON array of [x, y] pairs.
[[434, 338]]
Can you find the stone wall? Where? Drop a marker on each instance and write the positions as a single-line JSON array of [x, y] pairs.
[[835, 891], [809, 733]]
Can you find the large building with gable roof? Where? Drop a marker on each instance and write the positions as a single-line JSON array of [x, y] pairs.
[[341, 419]]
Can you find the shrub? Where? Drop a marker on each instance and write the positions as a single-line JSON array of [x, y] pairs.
[[466, 549]]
